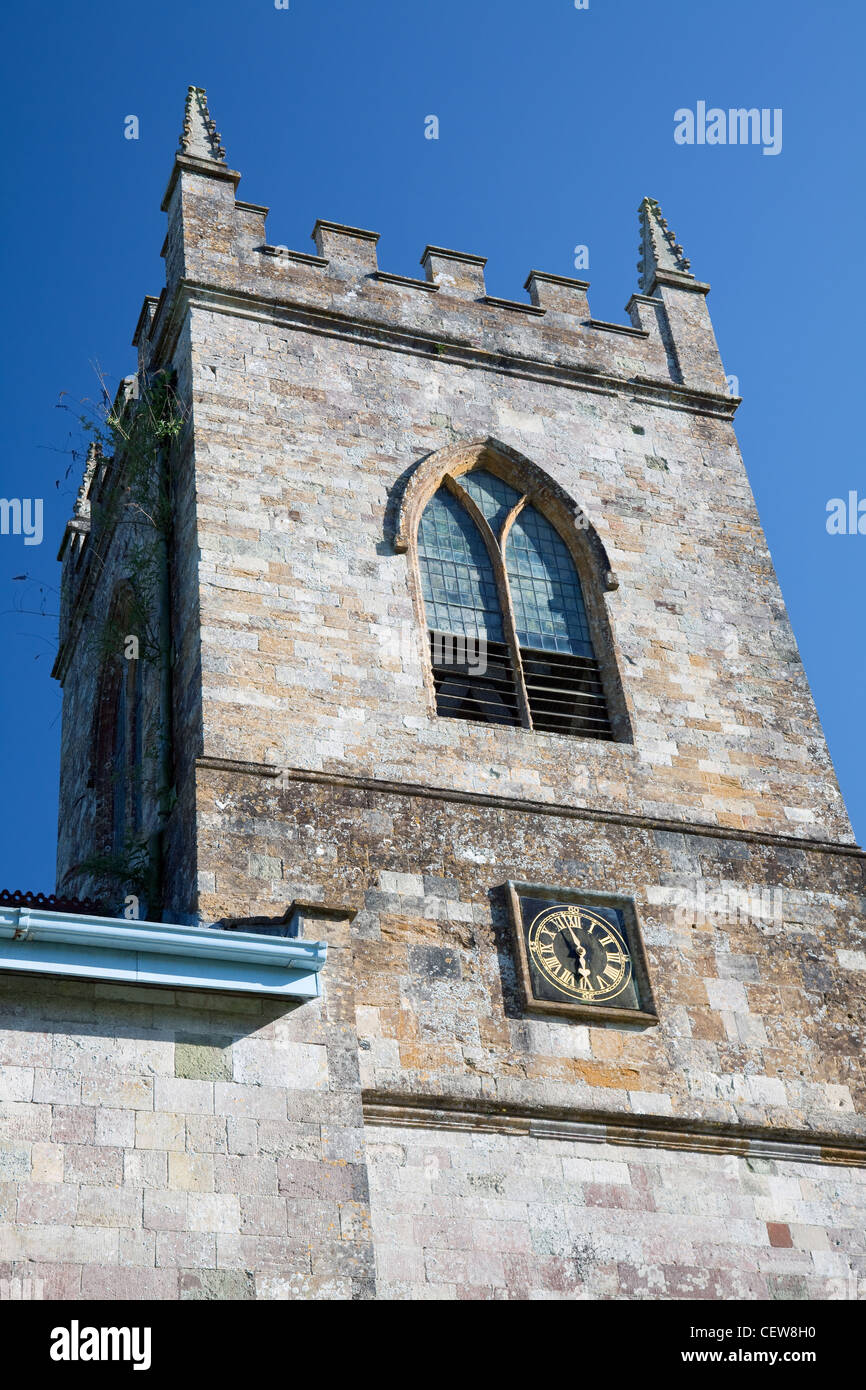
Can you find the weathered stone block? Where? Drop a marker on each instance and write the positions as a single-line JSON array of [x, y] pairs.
[[202, 1061]]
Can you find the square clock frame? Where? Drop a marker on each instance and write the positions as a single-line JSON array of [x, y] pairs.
[[580, 954]]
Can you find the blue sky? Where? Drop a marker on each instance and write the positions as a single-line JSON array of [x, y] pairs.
[[554, 122]]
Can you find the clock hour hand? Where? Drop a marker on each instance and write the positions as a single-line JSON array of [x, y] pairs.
[[580, 952]]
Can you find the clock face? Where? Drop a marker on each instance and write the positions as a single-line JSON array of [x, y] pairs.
[[580, 955]]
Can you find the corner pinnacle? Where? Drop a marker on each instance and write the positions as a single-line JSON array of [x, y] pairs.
[[81, 510], [200, 138], [659, 248]]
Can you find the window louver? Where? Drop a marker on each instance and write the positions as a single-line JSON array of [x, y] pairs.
[[462, 693], [565, 694]]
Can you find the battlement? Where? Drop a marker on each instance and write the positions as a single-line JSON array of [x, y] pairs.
[[218, 255]]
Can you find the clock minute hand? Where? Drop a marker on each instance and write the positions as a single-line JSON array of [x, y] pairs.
[[577, 944]]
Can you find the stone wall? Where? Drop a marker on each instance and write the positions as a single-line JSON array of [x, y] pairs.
[[316, 386], [486, 1216], [313, 649], [167, 1145], [156, 1144], [762, 1020], [111, 555], [160, 1144]]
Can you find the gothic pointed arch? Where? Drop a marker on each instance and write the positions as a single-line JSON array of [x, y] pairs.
[[513, 467], [510, 581]]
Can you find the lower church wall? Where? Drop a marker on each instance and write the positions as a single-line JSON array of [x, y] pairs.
[[159, 1144], [492, 1216], [170, 1144]]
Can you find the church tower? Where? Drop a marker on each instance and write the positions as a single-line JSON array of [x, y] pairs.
[[464, 695]]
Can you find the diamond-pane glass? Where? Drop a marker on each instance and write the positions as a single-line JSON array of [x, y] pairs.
[[548, 602], [457, 578], [493, 498]]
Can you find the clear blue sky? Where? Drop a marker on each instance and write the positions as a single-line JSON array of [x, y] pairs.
[[554, 122]]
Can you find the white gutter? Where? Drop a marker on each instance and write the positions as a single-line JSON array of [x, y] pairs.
[[33, 941]]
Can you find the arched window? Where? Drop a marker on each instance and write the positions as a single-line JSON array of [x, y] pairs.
[[510, 638], [464, 614]]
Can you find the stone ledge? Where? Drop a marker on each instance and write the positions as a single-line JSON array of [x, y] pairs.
[[398, 337], [302, 257], [389, 278], [538, 808], [514, 304], [641, 1131], [604, 327]]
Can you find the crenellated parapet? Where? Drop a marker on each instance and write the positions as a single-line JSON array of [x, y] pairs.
[[218, 253]]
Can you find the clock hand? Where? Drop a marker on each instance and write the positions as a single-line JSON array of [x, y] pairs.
[[577, 944], [583, 971]]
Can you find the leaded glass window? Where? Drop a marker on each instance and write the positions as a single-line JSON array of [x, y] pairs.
[[549, 612], [509, 631], [494, 497], [464, 616], [457, 577]]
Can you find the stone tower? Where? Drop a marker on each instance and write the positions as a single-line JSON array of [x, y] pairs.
[[470, 662]]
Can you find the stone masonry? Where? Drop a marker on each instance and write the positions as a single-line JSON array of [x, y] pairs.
[[415, 1133]]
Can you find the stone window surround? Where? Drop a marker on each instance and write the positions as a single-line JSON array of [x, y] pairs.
[[444, 468]]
